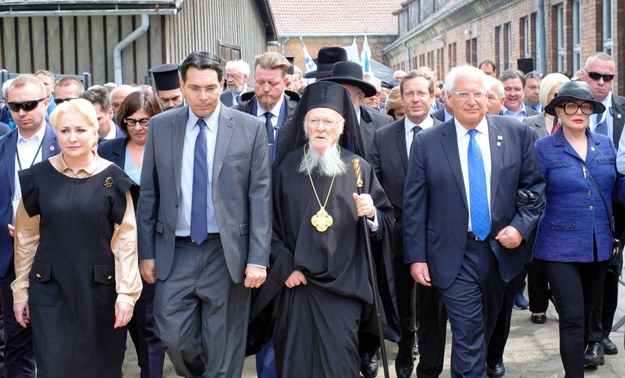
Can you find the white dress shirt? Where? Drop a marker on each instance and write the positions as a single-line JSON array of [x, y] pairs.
[[28, 153]]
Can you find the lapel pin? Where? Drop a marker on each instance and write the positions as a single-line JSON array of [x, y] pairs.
[[618, 115], [499, 139]]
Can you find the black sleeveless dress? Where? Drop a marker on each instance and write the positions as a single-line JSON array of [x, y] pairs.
[[71, 292]]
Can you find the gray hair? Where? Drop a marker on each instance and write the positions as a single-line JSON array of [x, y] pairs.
[[464, 70]]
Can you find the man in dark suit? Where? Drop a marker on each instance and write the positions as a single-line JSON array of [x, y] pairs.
[[31, 142], [349, 75], [269, 101], [389, 158], [598, 74], [237, 72], [463, 230], [107, 129], [204, 222]]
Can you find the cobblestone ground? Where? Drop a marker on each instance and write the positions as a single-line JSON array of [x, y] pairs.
[[532, 351]]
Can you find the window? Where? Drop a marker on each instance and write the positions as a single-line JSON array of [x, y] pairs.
[[229, 51], [606, 16], [499, 49], [524, 31], [560, 37], [507, 29], [577, 36], [451, 52]]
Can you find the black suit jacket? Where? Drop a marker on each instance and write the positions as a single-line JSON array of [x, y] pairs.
[[114, 150], [389, 159], [247, 100], [370, 121], [435, 213]]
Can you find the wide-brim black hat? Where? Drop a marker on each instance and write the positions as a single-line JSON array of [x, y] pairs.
[[321, 94], [165, 77], [326, 58], [574, 91], [351, 73]]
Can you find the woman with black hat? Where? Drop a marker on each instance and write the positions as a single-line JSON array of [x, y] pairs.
[[574, 238]]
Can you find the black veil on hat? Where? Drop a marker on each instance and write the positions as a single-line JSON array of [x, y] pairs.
[[322, 94]]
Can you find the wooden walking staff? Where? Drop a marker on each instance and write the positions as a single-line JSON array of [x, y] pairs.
[[372, 277]]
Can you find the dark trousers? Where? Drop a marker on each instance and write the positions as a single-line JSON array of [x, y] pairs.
[[19, 354], [499, 337], [537, 287], [431, 332], [150, 352], [406, 305], [574, 287], [472, 302], [605, 306]]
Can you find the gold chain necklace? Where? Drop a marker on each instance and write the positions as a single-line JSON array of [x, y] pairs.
[[322, 220]]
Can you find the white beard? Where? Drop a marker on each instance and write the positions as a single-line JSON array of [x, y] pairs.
[[328, 164]]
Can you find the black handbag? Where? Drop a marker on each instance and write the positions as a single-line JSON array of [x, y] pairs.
[[615, 260]]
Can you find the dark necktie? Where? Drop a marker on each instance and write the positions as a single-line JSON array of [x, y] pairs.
[[480, 217], [602, 126], [415, 131], [269, 127], [199, 205]]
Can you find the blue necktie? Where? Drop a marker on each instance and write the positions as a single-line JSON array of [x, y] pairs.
[[480, 217], [199, 205], [602, 126]]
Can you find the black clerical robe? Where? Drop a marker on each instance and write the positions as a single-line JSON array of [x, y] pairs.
[[315, 326]]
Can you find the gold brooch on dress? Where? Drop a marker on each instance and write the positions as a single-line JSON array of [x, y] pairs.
[[108, 182]]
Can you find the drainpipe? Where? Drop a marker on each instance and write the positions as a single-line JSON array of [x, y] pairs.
[[117, 51], [541, 45], [408, 60]]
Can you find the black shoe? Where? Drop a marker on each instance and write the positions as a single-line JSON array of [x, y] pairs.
[[538, 319], [594, 354], [608, 346], [499, 370], [404, 365], [369, 365]]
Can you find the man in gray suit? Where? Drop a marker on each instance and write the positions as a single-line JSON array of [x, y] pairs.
[[204, 222]]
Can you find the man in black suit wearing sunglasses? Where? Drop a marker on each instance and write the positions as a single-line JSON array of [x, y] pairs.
[[31, 142], [598, 74]]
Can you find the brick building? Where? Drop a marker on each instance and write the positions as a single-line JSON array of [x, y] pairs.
[[333, 23], [445, 33]]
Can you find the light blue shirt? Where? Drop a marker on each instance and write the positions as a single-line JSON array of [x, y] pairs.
[[520, 115], [183, 223], [607, 102], [131, 169]]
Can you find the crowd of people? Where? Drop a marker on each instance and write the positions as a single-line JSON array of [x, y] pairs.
[[230, 211]]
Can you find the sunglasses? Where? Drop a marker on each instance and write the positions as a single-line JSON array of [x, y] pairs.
[[26, 105], [596, 76], [62, 100]]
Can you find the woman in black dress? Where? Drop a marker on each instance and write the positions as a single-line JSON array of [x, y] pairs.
[[76, 256]]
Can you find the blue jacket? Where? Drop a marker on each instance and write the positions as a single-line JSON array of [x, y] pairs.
[[575, 211], [8, 145]]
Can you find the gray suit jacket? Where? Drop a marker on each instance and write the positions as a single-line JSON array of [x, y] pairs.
[[241, 190], [537, 123]]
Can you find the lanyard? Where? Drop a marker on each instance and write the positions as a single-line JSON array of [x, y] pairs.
[[17, 154]]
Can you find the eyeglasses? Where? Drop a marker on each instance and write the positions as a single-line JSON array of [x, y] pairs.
[[26, 105], [596, 76], [421, 95], [133, 122], [571, 108], [233, 76], [534, 75], [62, 100], [465, 95]]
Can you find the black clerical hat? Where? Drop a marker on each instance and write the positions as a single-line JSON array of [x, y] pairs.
[[326, 58], [351, 73], [165, 77], [321, 94]]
